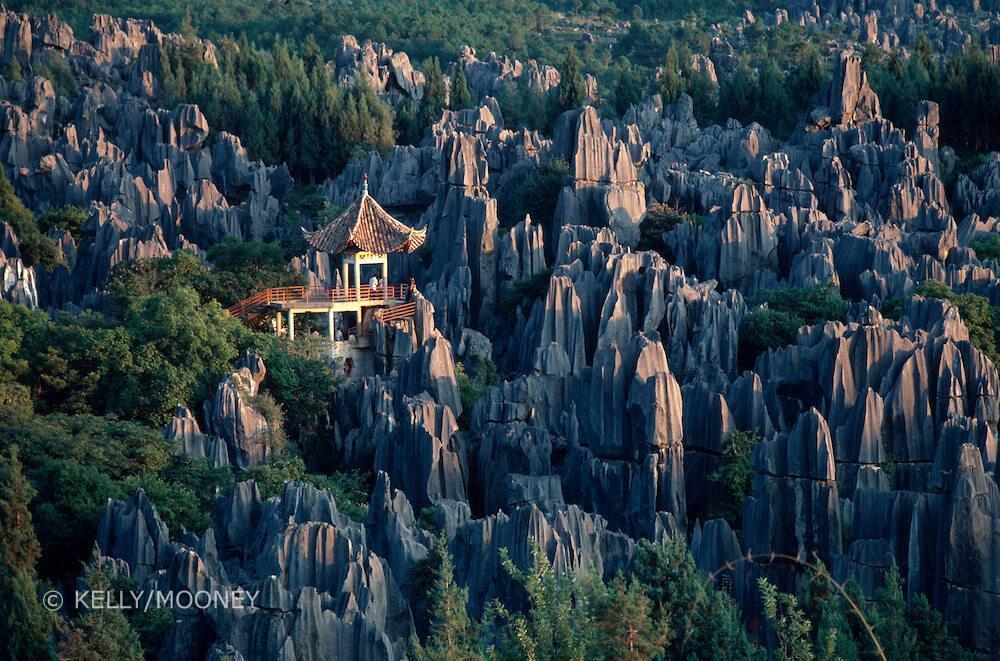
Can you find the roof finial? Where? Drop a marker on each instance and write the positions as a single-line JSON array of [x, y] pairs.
[[364, 184]]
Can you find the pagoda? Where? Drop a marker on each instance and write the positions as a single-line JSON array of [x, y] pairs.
[[365, 234], [362, 237]]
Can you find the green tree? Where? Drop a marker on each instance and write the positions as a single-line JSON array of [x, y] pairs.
[[704, 96], [783, 311], [980, 318], [100, 633], [555, 625], [572, 88], [890, 620], [433, 100], [452, 635], [738, 94], [623, 615], [774, 105], [732, 481], [934, 643], [35, 247], [630, 87], [670, 82], [535, 195], [988, 248], [806, 78], [68, 218], [461, 97], [704, 622], [25, 625], [836, 624], [184, 348], [788, 622]]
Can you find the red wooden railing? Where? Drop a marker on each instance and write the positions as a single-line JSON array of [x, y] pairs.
[[248, 307], [396, 312]]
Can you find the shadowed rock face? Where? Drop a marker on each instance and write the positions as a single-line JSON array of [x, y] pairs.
[[619, 373], [847, 99]]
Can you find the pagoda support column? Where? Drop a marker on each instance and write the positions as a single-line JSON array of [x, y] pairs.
[[330, 331], [385, 277], [291, 325], [277, 324], [357, 278]]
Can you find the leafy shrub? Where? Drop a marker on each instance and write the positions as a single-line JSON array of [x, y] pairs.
[[980, 318], [56, 68], [732, 481], [472, 386], [177, 505], [351, 490], [35, 247], [787, 309], [988, 248], [68, 218], [661, 218], [524, 292], [265, 404], [535, 195]]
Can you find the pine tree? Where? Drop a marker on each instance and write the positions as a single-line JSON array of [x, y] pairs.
[[897, 637], [774, 107], [461, 97], [934, 643], [555, 625], [671, 84], [738, 94], [433, 100], [827, 608], [451, 637], [572, 88], [788, 622], [624, 616], [702, 619], [25, 625], [100, 633]]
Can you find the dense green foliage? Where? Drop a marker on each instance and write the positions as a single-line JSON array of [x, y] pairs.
[[25, 626], [664, 608], [350, 490], [704, 622], [980, 318], [833, 621], [235, 270], [100, 633], [525, 104], [789, 623], [966, 85], [35, 247], [422, 27], [284, 107], [68, 218], [473, 382], [988, 248], [452, 634], [783, 311], [535, 195], [732, 481], [523, 294], [75, 463], [167, 348], [414, 117], [659, 219]]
